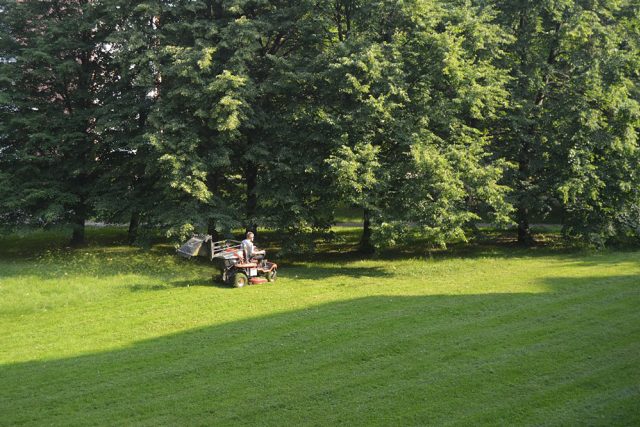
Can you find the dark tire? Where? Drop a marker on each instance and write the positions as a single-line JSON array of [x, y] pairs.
[[240, 280], [272, 275]]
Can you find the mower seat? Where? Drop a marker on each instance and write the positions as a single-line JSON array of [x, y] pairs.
[[252, 260]]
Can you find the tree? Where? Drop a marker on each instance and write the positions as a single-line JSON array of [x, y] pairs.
[[230, 124], [572, 119], [191, 116], [598, 115], [127, 190], [51, 151], [419, 87]]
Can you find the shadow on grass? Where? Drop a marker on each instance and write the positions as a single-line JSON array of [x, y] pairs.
[[462, 251], [295, 271], [319, 272], [210, 282], [106, 255], [34, 243], [568, 356]]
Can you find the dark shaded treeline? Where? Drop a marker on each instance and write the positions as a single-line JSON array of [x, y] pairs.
[[213, 115]]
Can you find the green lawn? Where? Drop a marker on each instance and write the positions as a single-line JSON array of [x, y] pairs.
[[492, 335]]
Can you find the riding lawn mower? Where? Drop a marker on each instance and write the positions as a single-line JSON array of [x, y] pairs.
[[230, 260]]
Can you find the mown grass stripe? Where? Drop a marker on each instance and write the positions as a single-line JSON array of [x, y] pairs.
[[494, 337]]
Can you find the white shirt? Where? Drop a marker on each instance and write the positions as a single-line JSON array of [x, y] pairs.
[[247, 247]]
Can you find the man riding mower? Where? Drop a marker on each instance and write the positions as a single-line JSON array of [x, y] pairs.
[[240, 264]]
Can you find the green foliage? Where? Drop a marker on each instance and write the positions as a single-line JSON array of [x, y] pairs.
[[421, 94], [355, 171], [573, 122], [601, 192], [59, 78], [428, 115]]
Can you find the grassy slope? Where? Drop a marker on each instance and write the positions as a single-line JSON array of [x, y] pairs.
[[114, 335]]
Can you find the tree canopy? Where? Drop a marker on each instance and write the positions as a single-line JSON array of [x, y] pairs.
[[428, 115]]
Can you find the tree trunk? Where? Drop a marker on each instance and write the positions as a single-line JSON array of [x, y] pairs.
[[477, 233], [215, 9], [211, 229], [77, 222], [134, 222], [251, 176], [522, 213], [366, 247], [338, 16], [213, 179], [525, 237], [524, 232]]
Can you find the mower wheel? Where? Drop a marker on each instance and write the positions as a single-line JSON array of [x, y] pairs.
[[240, 280], [271, 275]]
